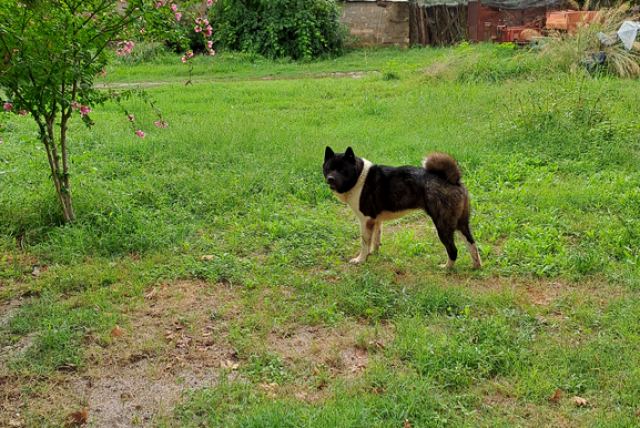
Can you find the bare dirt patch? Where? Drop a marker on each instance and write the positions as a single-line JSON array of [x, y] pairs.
[[10, 350], [345, 351], [8, 310], [176, 341], [317, 353], [545, 293], [173, 341]]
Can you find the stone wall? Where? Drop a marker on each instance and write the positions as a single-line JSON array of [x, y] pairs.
[[377, 23]]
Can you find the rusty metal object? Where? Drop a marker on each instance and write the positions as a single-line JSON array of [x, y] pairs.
[[516, 34], [569, 20], [491, 24]]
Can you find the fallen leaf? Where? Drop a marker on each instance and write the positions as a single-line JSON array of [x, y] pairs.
[[177, 325], [78, 418], [406, 424], [207, 258], [229, 364], [151, 294], [268, 386], [557, 394], [68, 367], [117, 331], [579, 401]]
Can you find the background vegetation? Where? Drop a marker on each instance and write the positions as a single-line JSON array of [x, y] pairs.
[[298, 29], [225, 218]]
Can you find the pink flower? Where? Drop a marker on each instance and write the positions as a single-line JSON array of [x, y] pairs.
[[125, 47], [209, 3], [84, 110], [210, 44], [197, 29], [205, 21], [212, 52], [140, 133], [159, 4], [208, 31], [23, 112], [174, 7], [178, 16], [187, 56], [160, 124], [7, 106], [131, 118]]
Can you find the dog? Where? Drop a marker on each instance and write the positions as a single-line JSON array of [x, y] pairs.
[[377, 193]]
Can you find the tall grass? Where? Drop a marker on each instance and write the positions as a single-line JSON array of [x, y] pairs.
[[570, 51]]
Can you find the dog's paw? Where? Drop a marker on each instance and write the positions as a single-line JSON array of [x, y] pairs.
[[357, 260], [448, 265]]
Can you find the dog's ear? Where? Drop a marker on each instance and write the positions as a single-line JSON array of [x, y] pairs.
[[328, 153], [349, 155]]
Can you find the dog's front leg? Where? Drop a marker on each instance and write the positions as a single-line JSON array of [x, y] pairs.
[[366, 232], [377, 233]]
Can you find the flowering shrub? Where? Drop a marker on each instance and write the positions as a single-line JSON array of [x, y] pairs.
[[187, 20], [299, 29], [52, 50]]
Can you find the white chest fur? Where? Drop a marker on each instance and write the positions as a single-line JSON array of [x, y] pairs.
[[352, 197]]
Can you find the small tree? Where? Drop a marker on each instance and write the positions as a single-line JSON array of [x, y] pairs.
[[50, 54]]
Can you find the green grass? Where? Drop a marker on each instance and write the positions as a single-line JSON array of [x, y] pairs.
[[550, 159], [232, 66]]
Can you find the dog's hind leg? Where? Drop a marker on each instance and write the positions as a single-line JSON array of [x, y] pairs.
[[445, 233], [377, 234], [366, 231], [465, 231]]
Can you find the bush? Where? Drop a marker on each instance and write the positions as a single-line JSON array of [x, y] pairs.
[[298, 29]]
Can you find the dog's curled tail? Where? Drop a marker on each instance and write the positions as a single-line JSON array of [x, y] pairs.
[[443, 165]]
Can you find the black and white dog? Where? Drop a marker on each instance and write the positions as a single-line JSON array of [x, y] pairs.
[[377, 193]]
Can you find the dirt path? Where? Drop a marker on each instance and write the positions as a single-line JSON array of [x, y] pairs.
[[324, 75]]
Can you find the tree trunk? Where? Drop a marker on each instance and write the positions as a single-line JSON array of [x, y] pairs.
[[64, 196], [60, 177]]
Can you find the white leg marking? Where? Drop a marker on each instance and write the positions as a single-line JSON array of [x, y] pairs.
[[377, 233], [366, 231], [473, 250], [448, 265]]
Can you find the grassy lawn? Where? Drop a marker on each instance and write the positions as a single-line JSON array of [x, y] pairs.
[[206, 282]]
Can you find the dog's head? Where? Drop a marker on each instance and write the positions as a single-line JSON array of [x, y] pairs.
[[341, 170]]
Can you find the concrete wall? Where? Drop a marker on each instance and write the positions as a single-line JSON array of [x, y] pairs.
[[377, 23]]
